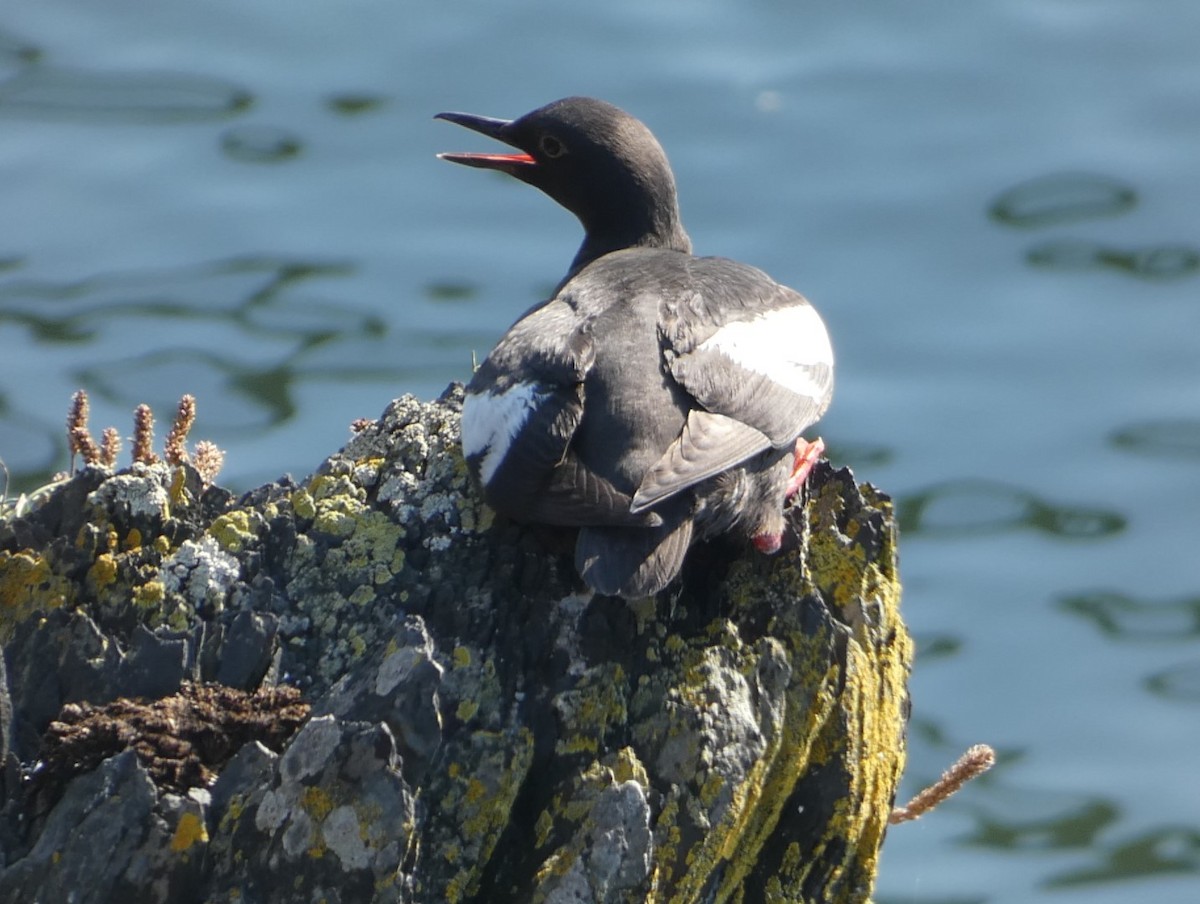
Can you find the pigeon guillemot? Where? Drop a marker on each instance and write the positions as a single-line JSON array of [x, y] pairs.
[[656, 398]]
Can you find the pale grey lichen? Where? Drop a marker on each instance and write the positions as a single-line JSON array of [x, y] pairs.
[[143, 491], [200, 571]]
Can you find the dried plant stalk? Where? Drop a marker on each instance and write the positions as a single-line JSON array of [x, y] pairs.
[[972, 764], [175, 449], [110, 447], [143, 435], [79, 439], [208, 460]]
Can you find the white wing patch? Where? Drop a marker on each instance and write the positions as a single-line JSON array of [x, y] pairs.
[[782, 345], [490, 421]]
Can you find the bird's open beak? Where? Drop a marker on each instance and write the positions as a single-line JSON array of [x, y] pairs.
[[493, 128]]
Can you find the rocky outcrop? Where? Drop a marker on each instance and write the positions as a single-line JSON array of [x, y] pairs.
[[474, 726]]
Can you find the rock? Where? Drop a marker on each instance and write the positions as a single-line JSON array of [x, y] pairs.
[[482, 728]]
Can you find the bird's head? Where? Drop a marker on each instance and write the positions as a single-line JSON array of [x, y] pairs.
[[595, 160]]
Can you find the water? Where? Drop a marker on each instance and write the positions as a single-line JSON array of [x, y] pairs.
[[993, 204]]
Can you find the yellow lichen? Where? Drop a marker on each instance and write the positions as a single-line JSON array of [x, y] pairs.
[[303, 505], [178, 491], [466, 710], [189, 831], [149, 594], [542, 828], [102, 573], [28, 584], [235, 530], [317, 803]]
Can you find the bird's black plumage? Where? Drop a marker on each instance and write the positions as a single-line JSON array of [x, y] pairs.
[[656, 398]]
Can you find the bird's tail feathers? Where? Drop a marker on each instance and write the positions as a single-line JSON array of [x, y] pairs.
[[634, 562]]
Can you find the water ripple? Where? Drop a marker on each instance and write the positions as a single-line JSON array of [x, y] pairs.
[[1128, 618], [1062, 198], [143, 97], [976, 506], [1157, 262], [1176, 438]]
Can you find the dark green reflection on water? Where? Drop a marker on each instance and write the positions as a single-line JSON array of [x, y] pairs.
[[1158, 262], [1157, 852], [977, 506], [17, 50], [1062, 198], [1068, 197], [260, 144], [1176, 438], [1180, 683], [1127, 618], [273, 328], [49, 92], [448, 290], [353, 104], [936, 646], [226, 290], [1026, 820]]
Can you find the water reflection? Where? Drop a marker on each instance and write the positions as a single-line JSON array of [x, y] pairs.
[[1014, 819], [260, 144], [1160, 262], [254, 396], [977, 506], [858, 454], [936, 646], [354, 104], [1181, 683], [1125, 617], [227, 290], [1062, 198], [183, 322], [448, 290], [14, 50], [1156, 852], [144, 97], [1176, 438]]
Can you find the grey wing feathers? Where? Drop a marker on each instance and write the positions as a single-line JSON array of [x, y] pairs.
[[709, 444]]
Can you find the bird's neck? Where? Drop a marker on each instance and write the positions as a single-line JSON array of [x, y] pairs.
[[664, 231]]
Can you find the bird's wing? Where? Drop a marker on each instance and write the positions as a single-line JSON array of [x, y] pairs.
[[521, 409], [755, 355]]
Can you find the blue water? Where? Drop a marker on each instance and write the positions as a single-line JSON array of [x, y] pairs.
[[994, 204]]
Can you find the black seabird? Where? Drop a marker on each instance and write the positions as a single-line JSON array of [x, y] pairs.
[[657, 398]]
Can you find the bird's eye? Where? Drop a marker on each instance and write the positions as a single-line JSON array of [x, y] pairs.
[[551, 146]]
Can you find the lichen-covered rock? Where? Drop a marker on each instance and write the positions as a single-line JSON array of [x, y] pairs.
[[483, 729]]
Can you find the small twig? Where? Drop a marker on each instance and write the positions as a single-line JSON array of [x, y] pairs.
[[143, 435], [972, 764], [175, 448]]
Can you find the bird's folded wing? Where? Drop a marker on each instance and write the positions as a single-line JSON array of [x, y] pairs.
[[579, 497], [709, 444], [772, 370]]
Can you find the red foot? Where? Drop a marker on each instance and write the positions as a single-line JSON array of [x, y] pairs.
[[767, 544], [806, 456]]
